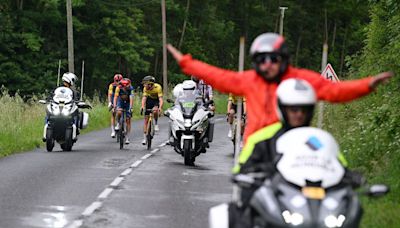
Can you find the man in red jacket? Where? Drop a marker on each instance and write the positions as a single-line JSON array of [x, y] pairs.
[[270, 58]]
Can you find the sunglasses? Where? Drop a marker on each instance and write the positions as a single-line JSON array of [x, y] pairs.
[[267, 58], [302, 109]]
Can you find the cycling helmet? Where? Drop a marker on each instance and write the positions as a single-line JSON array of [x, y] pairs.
[[117, 77], [271, 44], [148, 79], [129, 81], [124, 83], [298, 93], [69, 78]]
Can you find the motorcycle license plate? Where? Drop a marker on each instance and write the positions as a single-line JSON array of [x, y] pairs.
[[188, 104], [313, 192]]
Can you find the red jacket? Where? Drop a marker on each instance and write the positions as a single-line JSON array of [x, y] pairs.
[[261, 95]]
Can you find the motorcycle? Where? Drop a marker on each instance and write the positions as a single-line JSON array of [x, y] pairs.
[[190, 126], [63, 119], [309, 188]]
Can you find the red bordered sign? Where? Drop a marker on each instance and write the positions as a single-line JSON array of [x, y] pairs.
[[329, 73]]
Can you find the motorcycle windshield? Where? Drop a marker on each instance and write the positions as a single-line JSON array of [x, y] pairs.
[[63, 95], [309, 155], [188, 102]]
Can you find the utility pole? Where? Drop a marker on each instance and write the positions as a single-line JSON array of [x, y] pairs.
[[164, 38], [282, 8], [70, 38], [324, 61]]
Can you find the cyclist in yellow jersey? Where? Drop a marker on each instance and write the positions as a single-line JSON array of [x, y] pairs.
[[232, 109], [152, 99], [110, 96]]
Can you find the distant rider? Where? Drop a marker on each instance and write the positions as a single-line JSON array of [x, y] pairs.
[[152, 99], [111, 91]]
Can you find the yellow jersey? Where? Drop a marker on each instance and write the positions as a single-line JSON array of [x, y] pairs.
[[154, 92], [234, 99]]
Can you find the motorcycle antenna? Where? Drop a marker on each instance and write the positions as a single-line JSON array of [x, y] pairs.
[[235, 194], [83, 76], [58, 76]]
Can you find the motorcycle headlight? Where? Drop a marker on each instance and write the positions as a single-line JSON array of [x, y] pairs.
[[332, 221], [292, 218], [188, 123], [66, 110], [181, 124], [55, 110]]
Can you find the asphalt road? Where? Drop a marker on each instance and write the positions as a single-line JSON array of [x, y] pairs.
[[98, 185]]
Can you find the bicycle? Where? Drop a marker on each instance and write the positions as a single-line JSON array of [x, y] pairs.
[[121, 132], [150, 129], [234, 129]]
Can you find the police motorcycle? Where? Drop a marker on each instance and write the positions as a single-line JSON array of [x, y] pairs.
[[190, 130], [63, 119], [309, 187]]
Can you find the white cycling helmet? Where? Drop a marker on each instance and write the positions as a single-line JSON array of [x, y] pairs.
[[295, 92], [178, 90], [69, 78]]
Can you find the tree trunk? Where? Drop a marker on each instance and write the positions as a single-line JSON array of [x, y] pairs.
[[343, 53], [297, 50], [334, 37], [184, 24]]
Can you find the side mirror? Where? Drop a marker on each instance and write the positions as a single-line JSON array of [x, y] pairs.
[[377, 190], [166, 113], [170, 101], [42, 101]]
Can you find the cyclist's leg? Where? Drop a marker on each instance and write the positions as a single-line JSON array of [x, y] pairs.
[[119, 112], [112, 120], [231, 117], [127, 121]]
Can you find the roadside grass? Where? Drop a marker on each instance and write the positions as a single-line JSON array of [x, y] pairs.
[[368, 132]]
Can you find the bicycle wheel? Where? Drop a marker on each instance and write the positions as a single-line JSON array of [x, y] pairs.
[[121, 132], [149, 132]]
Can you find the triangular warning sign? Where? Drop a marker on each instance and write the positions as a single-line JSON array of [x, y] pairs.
[[330, 74]]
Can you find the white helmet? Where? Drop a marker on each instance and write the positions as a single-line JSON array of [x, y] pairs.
[[69, 78], [178, 90], [295, 92], [188, 85]]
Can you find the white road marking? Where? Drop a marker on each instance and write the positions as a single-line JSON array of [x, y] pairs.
[[126, 172], [116, 181], [145, 156], [136, 164], [89, 210], [105, 193], [76, 224]]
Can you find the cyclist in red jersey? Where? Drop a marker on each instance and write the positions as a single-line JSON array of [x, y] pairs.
[[270, 58]]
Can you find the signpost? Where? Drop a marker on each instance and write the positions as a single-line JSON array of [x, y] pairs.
[[327, 73]]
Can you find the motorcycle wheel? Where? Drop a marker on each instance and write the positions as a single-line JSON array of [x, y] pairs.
[[186, 153], [49, 140], [67, 146]]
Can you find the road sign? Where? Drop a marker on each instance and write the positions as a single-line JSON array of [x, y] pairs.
[[330, 74]]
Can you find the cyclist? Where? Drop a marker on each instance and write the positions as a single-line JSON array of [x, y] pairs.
[[270, 60], [232, 109], [111, 91], [205, 91], [123, 100], [152, 99]]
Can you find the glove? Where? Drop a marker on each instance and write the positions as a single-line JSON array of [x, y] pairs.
[[109, 105], [141, 111]]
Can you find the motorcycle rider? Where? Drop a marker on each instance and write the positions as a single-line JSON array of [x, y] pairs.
[[152, 99], [296, 101], [111, 91], [68, 80], [123, 100], [232, 109], [270, 60]]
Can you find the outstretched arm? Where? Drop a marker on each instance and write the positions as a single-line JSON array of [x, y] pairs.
[[220, 79]]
